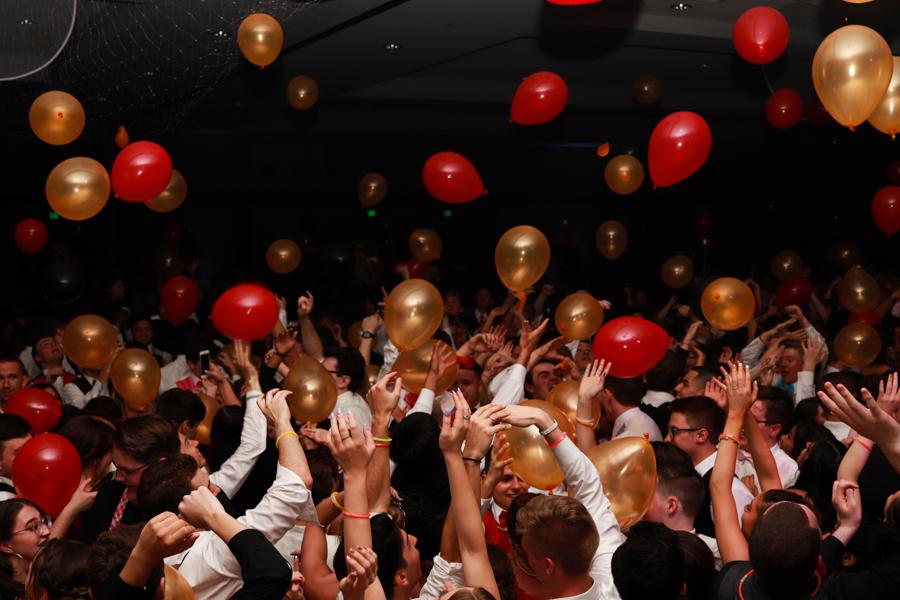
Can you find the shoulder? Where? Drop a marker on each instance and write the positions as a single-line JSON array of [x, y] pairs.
[[729, 580]]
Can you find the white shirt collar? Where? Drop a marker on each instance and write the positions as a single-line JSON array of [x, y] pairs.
[[590, 594], [706, 464]]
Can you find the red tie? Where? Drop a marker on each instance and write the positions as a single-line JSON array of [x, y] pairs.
[[120, 510], [501, 521]]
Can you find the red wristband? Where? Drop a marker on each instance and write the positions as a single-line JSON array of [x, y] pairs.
[[355, 515], [865, 445], [558, 442]]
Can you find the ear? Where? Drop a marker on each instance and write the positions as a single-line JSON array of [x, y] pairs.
[[400, 578], [672, 505], [777, 429], [549, 565], [185, 429], [6, 549], [703, 435]]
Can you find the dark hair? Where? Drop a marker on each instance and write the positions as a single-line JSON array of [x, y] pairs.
[[225, 435], [850, 380], [701, 411], [105, 408], [12, 427], [805, 413], [649, 563], [503, 573], [13, 359], [627, 392], [812, 432], [817, 475], [9, 512], [324, 471], [512, 513], [676, 476], [180, 405], [779, 406], [350, 363], [784, 550], [387, 543], [110, 552], [665, 374], [61, 570], [544, 361], [92, 438], [163, 485], [705, 373], [477, 593], [699, 566], [148, 438]]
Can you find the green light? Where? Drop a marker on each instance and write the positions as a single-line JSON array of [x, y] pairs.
[[53, 216], [448, 212], [371, 212]]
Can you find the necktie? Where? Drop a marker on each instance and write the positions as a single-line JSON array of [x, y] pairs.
[[120, 510], [501, 521]]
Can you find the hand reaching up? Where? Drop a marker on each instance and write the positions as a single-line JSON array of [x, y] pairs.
[[455, 425], [483, 425], [740, 389], [385, 394], [593, 380]]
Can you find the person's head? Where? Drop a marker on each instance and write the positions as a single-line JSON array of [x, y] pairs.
[[398, 558], [664, 375], [165, 483], [47, 352], [695, 425], [183, 408], [192, 354], [12, 377], [773, 411], [802, 437], [649, 563], [510, 487], [791, 361], [142, 331], [818, 472], [761, 504], [584, 355], [94, 441], [785, 550], [105, 408], [484, 299], [140, 442], [24, 530], [699, 567], [324, 471], [540, 379], [110, 552], [620, 395], [453, 304], [347, 366], [469, 382], [60, 572], [14, 432], [693, 382], [679, 489], [115, 288]]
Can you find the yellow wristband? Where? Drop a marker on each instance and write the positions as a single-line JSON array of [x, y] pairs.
[[587, 423], [335, 501], [278, 439], [727, 438]]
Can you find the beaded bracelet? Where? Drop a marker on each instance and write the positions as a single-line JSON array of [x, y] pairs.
[[724, 437], [355, 515], [278, 439], [335, 501]]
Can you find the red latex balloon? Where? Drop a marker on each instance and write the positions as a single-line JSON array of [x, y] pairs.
[[30, 236], [141, 171], [679, 146], [760, 35], [47, 471], [450, 177], [539, 98], [784, 108], [796, 291], [180, 295], [37, 406], [245, 312], [634, 345], [415, 268], [867, 316], [893, 171], [886, 209]]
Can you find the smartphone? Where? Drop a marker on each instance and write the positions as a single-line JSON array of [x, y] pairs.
[[204, 362]]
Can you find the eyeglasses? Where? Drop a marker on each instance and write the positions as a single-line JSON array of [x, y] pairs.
[[35, 526], [128, 472], [673, 431]]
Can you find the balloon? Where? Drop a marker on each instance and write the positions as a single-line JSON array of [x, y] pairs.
[[851, 72], [180, 295], [77, 188], [177, 587], [867, 316], [245, 312], [611, 239], [857, 345], [540, 98], [787, 264], [62, 283], [784, 109], [90, 341], [371, 189], [314, 390], [886, 117], [283, 256], [761, 35], [260, 39], [135, 375], [369, 380], [47, 471], [886, 209], [578, 316], [302, 92], [171, 197], [122, 138], [627, 469], [892, 171], [141, 172], [677, 271], [204, 427], [624, 174], [533, 460], [450, 177], [679, 146], [40, 408], [844, 255], [796, 291], [413, 365], [425, 245], [30, 236], [727, 303], [564, 396], [632, 344], [413, 311], [521, 257], [646, 90], [859, 291], [603, 150], [57, 118], [169, 263]]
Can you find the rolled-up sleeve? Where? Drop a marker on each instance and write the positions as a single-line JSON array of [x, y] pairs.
[[441, 572], [236, 469], [513, 388]]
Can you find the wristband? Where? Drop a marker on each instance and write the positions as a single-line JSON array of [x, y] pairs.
[[355, 515], [278, 439], [386, 440], [335, 501], [558, 442], [550, 429], [866, 445], [724, 437], [473, 459], [587, 423], [382, 444]]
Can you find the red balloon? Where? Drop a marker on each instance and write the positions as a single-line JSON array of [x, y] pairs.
[[37, 406], [245, 312], [47, 471], [760, 35], [886, 209], [539, 98], [634, 345], [796, 291], [415, 268], [141, 171], [784, 108], [679, 146], [893, 171], [180, 295], [867, 316], [450, 177], [30, 236]]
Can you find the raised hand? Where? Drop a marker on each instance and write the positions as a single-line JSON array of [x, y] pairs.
[[372, 322], [200, 507], [164, 535], [528, 337], [740, 389], [813, 352], [455, 425], [869, 420], [274, 406], [483, 425], [362, 569], [385, 394], [244, 363], [523, 416], [498, 463], [351, 447], [888, 395], [715, 389], [305, 305], [593, 380], [777, 332], [284, 342]]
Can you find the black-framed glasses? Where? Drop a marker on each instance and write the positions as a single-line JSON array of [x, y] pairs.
[[673, 431], [35, 526], [126, 472]]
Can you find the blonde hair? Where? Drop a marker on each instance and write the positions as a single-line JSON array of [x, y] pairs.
[[560, 528]]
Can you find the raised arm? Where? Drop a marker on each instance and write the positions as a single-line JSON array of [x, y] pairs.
[[308, 335], [383, 399], [589, 389], [370, 325]]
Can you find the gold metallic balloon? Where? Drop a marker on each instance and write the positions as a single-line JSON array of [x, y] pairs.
[[122, 138], [578, 316], [859, 291], [565, 423], [787, 265], [371, 189], [425, 245], [90, 341], [369, 380], [354, 334], [886, 117], [135, 374], [413, 311], [57, 118], [646, 90], [204, 428], [302, 92], [857, 345], [611, 239], [177, 587], [533, 460], [851, 72], [564, 396], [844, 255], [677, 271], [727, 303], [77, 188], [169, 263], [171, 197], [413, 366], [521, 257], [260, 39], [314, 390], [627, 469], [624, 174], [283, 256]]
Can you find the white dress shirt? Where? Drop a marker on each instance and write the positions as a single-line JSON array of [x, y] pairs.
[[7, 495], [742, 495], [72, 394], [293, 541], [173, 372], [656, 399], [234, 471], [511, 387], [788, 471], [840, 430], [442, 572], [636, 423], [350, 401], [713, 546]]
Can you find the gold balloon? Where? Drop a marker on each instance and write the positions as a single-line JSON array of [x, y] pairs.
[[727, 303], [851, 72], [565, 423], [413, 365], [624, 174], [787, 265], [283, 256], [260, 39], [627, 469], [533, 460], [171, 197], [564, 396], [371, 189], [302, 92], [413, 311], [578, 316], [603, 150], [844, 255], [122, 138], [169, 263], [677, 271], [314, 390], [646, 90], [57, 118], [77, 188], [425, 245], [135, 374], [886, 117], [521, 257], [369, 380], [203, 432], [611, 239], [857, 345], [354, 334], [90, 341], [859, 291], [177, 587]]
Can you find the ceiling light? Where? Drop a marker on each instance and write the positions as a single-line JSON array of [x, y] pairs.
[[26, 22], [681, 6], [392, 46]]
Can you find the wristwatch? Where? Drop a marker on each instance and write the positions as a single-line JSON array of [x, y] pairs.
[[366, 335]]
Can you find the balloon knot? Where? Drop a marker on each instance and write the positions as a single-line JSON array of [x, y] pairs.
[[654, 187], [893, 136], [484, 193], [852, 129]]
